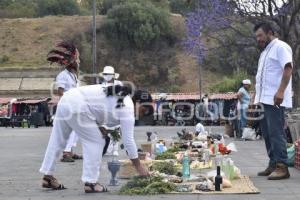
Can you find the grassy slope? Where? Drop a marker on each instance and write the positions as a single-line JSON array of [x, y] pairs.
[[26, 43]]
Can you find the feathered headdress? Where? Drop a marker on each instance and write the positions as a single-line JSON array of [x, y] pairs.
[[65, 54]]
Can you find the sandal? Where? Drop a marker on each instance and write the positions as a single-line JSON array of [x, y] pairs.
[[77, 157], [67, 158], [92, 188], [52, 183]]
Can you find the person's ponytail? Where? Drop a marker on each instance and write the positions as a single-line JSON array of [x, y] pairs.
[[118, 91]]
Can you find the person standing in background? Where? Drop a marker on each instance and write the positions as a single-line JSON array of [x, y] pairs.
[[244, 101], [110, 79]]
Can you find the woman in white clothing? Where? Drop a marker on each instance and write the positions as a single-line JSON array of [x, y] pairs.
[[84, 110]]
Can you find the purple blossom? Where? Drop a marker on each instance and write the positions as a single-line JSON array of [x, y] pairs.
[[212, 16]]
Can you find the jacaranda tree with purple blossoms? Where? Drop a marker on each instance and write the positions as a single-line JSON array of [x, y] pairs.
[[211, 16]]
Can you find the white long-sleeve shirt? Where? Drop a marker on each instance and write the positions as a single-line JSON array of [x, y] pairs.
[[92, 101]]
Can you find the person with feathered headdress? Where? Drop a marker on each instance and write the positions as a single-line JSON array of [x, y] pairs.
[[67, 55]]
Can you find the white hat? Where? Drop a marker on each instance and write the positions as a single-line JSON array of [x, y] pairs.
[[162, 96], [109, 70], [246, 82]]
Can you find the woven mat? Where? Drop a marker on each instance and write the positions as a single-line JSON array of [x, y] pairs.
[[239, 186]]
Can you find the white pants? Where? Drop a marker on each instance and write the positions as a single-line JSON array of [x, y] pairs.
[[72, 142], [89, 135]]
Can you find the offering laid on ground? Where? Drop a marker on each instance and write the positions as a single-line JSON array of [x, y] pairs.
[[147, 186], [165, 156], [164, 167], [178, 168]]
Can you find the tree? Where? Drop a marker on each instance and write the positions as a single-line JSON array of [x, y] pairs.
[[230, 83], [57, 7], [137, 24], [17, 9], [183, 6], [103, 6]]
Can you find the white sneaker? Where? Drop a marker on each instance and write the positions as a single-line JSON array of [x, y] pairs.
[[115, 153], [258, 137]]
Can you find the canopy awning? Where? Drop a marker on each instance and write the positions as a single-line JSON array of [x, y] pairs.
[[177, 96], [31, 101], [5, 100], [223, 96]]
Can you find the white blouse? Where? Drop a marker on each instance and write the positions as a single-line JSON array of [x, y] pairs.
[[66, 80]]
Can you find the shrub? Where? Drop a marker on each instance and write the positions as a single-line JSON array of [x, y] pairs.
[[109, 4], [182, 7], [18, 9], [230, 84], [138, 25], [4, 59], [106, 5], [58, 7]]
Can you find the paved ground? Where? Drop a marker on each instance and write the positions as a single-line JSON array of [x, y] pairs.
[[22, 150]]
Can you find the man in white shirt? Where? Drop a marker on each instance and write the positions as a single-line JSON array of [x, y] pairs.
[[85, 109], [67, 55], [274, 92]]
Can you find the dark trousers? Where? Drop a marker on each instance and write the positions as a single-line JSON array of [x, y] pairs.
[[107, 141], [272, 126]]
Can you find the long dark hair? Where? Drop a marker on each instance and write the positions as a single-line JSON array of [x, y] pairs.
[[118, 91], [140, 96]]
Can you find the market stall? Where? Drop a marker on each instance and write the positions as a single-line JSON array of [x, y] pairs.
[[6, 110], [175, 108], [27, 112], [189, 109]]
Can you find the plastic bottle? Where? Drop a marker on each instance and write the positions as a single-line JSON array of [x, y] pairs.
[[226, 167], [222, 141], [186, 166], [231, 169], [216, 148]]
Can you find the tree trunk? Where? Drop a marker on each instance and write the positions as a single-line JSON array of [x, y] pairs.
[[296, 79], [296, 89]]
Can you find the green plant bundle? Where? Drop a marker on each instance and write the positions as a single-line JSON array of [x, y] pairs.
[[147, 186], [164, 167], [115, 135], [175, 149], [166, 155]]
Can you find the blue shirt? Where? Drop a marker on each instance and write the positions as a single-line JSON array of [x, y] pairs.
[[245, 99]]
